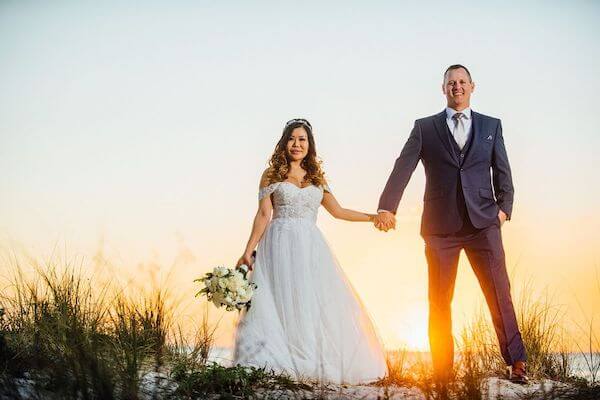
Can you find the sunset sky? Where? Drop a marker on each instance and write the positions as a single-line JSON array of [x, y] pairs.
[[140, 134]]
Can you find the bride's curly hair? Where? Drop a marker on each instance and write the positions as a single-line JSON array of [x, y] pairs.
[[279, 163]]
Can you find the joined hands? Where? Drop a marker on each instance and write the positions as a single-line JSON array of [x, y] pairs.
[[384, 221]]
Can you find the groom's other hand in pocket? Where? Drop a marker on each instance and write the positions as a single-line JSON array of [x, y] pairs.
[[384, 221], [502, 217]]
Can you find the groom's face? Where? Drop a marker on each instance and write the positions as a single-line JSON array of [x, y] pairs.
[[458, 88]]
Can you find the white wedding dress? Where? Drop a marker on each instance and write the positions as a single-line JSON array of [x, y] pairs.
[[306, 319]]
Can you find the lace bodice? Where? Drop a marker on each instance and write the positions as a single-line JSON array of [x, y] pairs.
[[290, 201]]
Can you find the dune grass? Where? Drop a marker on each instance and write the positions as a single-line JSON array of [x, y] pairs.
[[64, 336], [478, 356], [61, 336]]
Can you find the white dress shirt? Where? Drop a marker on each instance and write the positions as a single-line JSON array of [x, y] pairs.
[[466, 120]]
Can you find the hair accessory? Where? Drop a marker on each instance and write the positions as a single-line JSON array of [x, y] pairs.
[[301, 121]]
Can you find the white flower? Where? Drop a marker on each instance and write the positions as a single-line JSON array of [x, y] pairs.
[[240, 296], [235, 282], [245, 294], [237, 274], [228, 287]]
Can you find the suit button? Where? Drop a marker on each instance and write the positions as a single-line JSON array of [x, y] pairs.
[[462, 169], [462, 155]]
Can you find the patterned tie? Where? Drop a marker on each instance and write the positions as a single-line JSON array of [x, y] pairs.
[[459, 132]]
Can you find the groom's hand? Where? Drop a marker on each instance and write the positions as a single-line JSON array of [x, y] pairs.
[[502, 217], [384, 221]]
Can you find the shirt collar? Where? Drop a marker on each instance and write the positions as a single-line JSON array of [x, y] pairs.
[[450, 112]]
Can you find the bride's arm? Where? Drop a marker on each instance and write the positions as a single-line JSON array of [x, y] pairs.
[[337, 211], [261, 219]]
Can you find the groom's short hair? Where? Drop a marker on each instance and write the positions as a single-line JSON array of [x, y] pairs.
[[457, 66]]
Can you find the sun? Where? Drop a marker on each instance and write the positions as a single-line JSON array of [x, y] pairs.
[[411, 328]]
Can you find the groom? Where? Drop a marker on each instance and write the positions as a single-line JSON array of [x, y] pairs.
[[468, 197]]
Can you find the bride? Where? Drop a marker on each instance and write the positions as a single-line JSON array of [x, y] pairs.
[[306, 319]]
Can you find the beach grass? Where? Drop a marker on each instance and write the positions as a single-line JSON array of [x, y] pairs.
[[478, 356], [64, 335]]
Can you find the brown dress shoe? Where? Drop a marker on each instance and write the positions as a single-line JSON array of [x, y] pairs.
[[518, 374]]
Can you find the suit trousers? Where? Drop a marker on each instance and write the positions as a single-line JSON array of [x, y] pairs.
[[486, 254]]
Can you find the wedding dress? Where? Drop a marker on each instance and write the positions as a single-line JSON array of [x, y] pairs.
[[306, 319]]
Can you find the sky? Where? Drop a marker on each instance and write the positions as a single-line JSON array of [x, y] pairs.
[[137, 135]]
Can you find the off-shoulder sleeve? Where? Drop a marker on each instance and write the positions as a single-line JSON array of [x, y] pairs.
[[267, 190]]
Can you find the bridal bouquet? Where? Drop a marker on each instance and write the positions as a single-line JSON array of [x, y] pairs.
[[228, 287]]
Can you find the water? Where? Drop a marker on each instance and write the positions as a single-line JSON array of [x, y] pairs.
[[582, 366]]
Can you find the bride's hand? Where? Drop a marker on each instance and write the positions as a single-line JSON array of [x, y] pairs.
[[245, 259]]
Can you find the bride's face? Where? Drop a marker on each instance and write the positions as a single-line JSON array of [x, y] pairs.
[[297, 145]]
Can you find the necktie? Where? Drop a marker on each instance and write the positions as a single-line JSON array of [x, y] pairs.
[[459, 132]]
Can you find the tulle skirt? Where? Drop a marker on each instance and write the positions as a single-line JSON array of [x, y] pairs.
[[306, 319]]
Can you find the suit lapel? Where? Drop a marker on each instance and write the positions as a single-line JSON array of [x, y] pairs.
[[439, 121]]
